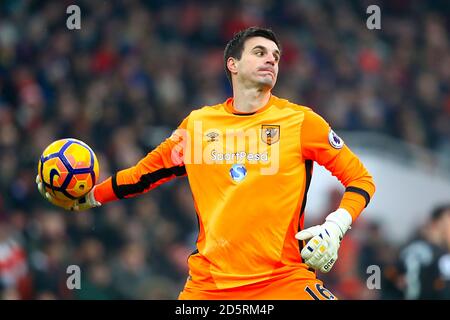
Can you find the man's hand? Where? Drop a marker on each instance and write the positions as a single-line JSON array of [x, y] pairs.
[[84, 203], [321, 252]]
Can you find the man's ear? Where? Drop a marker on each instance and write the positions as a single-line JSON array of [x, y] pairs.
[[231, 65]]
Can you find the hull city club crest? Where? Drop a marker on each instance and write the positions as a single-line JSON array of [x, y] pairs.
[[270, 134]]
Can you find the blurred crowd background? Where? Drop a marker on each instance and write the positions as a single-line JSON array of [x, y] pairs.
[[135, 69]]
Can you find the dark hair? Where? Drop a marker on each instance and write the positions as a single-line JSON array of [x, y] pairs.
[[439, 211], [235, 46]]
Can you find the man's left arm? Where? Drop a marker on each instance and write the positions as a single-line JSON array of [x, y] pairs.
[[321, 144]]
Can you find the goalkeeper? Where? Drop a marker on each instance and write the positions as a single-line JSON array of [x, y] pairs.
[[249, 161]]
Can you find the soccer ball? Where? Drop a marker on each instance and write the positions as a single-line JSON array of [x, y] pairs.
[[68, 169]]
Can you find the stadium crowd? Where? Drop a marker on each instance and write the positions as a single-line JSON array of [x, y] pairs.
[[135, 69]]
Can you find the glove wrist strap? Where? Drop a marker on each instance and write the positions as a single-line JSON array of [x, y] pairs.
[[91, 198], [341, 218]]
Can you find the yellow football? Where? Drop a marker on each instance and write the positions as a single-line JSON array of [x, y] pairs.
[[68, 169]]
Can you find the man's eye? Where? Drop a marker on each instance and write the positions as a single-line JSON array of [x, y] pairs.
[[259, 53]]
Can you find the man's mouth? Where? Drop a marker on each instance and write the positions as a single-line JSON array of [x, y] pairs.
[[267, 70]]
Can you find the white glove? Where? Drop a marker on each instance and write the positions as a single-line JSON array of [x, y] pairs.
[[84, 203], [321, 252]]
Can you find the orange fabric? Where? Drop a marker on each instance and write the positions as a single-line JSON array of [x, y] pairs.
[[167, 155], [342, 163], [353, 202], [286, 288], [104, 192], [247, 226], [229, 106]]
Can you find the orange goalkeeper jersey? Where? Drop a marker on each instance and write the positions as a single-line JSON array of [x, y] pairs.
[[249, 175]]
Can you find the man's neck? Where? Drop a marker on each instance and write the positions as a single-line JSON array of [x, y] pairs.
[[250, 100]]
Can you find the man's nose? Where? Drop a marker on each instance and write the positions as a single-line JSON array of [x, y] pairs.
[[271, 59], [271, 62]]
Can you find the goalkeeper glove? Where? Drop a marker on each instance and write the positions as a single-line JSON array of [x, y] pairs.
[[321, 251], [84, 203]]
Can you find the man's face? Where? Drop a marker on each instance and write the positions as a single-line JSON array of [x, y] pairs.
[[259, 63]]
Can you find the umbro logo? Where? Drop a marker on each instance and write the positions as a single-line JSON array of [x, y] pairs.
[[212, 136]]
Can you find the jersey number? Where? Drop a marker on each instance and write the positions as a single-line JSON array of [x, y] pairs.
[[324, 294]]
